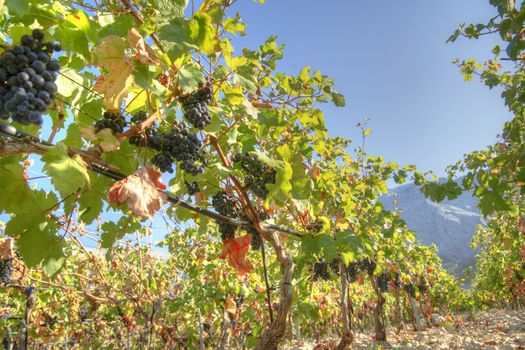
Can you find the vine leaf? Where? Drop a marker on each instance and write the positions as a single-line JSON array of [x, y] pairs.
[[236, 249], [118, 79], [105, 138], [140, 191], [68, 174], [6, 248], [190, 77], [145, 54]]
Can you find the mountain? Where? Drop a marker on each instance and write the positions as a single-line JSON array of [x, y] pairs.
[[449, 224]]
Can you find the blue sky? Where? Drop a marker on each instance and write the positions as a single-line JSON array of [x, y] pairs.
[[390, 60]]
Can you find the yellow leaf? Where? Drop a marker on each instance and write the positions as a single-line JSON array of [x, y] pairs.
[[108, 142], [114, 84], [144, 54]]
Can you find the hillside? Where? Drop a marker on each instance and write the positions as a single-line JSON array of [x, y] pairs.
[[449, 224]]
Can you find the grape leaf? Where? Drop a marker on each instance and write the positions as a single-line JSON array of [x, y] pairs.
[[6, 248], [80, 20], [104, 138], [236, 249], [144, 54], [114, 84], [140, 191], [190, 76], [68, 174]]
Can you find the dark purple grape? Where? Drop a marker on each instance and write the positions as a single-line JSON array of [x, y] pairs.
[[39, 66], [38, 34], [28, 40]]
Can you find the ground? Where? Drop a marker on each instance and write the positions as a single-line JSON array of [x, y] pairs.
[[494, 329]]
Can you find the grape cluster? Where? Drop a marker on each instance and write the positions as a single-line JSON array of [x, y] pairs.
[[397, 280], [257, 240], [6, 268], [423, 285], [223, 203], [259, 174], [113, 121], [315, 226], [27, 79], [176, 144], [353, 271], [369, 266], [138, 117], [195, 107], [192, 188], [334, 266], [382, 282], [321, 271]]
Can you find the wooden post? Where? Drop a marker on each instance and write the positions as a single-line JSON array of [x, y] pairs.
[[419, 325], [346, 333], [398, 314], [379, 322]]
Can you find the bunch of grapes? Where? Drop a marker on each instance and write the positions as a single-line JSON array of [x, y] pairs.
[[176, 144], [369, 266], [382, 282], [397, 280], [6, 268], [315, 226], [423, 285], [27, 79], [113, 121], [321, 271], [192, 188], [151, 138], [224, 204], [138, 117], [257, 240], [353, 270], [259, 174], [334, 266], [195, 107]]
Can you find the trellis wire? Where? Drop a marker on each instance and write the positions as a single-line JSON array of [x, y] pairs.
[[16, 135]]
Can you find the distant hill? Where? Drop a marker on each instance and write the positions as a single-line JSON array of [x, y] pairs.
[[449, 224]]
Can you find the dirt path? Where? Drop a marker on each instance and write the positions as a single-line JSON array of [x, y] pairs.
[[496, 329]]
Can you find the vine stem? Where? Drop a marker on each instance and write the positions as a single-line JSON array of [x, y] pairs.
[[268, 293], [273, 334], [140, 127]]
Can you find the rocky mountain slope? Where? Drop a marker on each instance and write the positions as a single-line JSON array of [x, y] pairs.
[[449, 224]]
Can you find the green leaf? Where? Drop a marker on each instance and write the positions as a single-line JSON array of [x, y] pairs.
[[339, 99], [37, 237], [16, 196], [80, 20], [68, 82], [74, 40], [202, 32], [54, 262], [120, 26], [169, 10], [68, 174], [17, 7], [190, 77]]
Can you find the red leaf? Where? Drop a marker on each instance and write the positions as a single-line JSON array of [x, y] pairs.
[[235, 249], [140, 190]]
